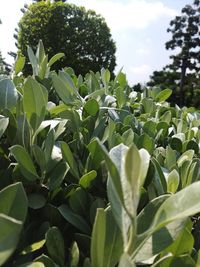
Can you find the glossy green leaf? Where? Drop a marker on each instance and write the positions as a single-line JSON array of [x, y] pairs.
[[126, 261], [55, 58], [33, 247], [11, 198], [181, 261], [173, 181], [176, 144], [69, 158], [3, 125], [33, 60], [75, 219], [34, 101], [33, 264], [40, 53], [74, 255], [87, 179], [11, 217], [136, 167], [106, 246], [79, 201], [39, 156], [62, 90], [91, 108], [183, 244], [36, 201], [19, 64], [46, 261], [163, 95], [170, 158], [10, 232], [55, 245], [25, 162], [57, 175], [8, 94], [146, 142], [174, 209], [159, 241]]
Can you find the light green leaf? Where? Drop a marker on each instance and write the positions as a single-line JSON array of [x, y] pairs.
[[90, 108], [35, 99], [9, 233], [87, 179], [11, 198], [183, 244], [25, 162], [74, 255], [136, 167], [145, 141], [163, 95], [46, 261], [106, 246], [173, 181], [19, 64], [69, 158], [40, 53], [8, 94], [33, 60], [33, 247], [3, 124], [33, 264], [55, 58], [170, 158], [125, 261], [178, 206]]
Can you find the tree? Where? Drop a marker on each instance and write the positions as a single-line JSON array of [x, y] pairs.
[[185, 30], [4, 67], [82, 35], [167, 78]]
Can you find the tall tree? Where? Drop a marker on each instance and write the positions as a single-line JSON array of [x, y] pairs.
[[4, 67], [185, 30], [82, 35]]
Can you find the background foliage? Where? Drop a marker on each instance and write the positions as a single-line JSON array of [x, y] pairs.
[[83, 36], [182, 75]]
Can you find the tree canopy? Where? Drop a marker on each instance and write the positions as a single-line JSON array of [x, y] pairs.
[[182, 75], [185, 30], [4, 67], [82, 35]]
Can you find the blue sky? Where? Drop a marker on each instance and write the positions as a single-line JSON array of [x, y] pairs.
[[137, 26]]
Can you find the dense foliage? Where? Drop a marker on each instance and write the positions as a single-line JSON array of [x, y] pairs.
[[168, 79], [83, 36], [107, 177]]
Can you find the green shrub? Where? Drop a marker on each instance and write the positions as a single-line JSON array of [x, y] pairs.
[[105, 177]]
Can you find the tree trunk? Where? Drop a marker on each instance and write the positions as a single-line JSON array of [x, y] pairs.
[[182, 82]]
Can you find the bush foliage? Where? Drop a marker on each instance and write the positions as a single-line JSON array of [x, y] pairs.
[[105, 177]]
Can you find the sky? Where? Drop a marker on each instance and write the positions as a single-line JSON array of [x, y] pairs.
[[137, 26]]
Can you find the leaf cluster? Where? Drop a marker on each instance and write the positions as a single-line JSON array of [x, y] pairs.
[[104, 177]]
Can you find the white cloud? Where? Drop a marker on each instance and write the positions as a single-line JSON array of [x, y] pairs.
[[137, 14], [141, 70], [137, 74], [142, 51]]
